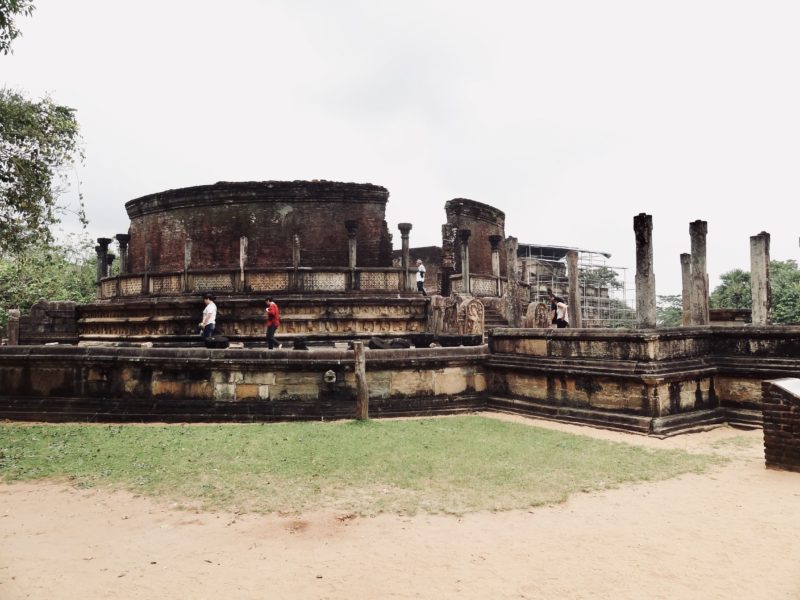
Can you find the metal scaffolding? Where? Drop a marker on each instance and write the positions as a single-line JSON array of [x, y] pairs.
[[606, 298]]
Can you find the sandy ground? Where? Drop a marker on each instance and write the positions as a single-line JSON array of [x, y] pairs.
[[731, 533]]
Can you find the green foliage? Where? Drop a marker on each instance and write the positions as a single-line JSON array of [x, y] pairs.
[[450, 465], [39, 140], [53, 272], [9, 9], [734, 291], [603, 277], [669, 311]]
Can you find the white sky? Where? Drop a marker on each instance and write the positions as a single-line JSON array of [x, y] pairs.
[[571, 117]]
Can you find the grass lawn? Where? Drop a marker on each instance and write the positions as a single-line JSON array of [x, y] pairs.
[[450, 465]]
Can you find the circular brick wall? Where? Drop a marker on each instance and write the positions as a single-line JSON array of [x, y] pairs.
[[268, 214], [483, 220]]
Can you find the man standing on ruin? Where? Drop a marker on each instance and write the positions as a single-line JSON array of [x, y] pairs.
[[273, 322], [209, 322], [421, 277]]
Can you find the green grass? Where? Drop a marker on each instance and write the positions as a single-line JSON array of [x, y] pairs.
[[451, 465]]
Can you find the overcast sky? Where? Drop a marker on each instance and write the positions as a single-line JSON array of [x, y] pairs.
[[571, 117]]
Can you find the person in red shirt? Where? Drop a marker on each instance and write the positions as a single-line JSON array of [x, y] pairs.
[[273, 322]]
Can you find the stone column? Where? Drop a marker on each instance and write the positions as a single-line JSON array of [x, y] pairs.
[[102, 252], [759, 277], [296, 284], [352, 248], [296, 251], [123, 239], [148, 262], [463, 236], [686, 288], [405, 259], [362, 391], [495, 240], [448, 256], [109, 261], [101, 262], [242, 261], [574, 294], [699, 291], [514, 296], [352, 231], [13, 327], [187, 264], [645, 278]]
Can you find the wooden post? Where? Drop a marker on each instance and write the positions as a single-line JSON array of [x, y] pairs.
[[362, 393]]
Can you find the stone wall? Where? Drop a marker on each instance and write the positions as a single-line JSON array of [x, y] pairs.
[[269, 214], [666, 378], [133, 384], [49, 322], [782, 424], [242, 318]]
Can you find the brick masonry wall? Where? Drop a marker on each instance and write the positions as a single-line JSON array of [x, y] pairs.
[[483, 220], [781, 409], [269, 214]]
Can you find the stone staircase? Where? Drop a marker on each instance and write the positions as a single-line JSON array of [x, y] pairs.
[[492, 319]]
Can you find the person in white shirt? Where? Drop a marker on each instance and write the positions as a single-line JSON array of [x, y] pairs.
[[209, 321], [421, 277]]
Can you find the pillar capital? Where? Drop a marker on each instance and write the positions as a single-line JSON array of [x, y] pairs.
[[123, 239], [495, 240], [104, 242], [352, 227], [404, 228], [463, 234]]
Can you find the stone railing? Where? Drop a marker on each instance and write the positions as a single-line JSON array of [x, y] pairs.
[[286, 280], [480, 285]]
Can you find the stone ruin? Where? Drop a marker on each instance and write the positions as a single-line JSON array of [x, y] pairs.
[[324, 251]]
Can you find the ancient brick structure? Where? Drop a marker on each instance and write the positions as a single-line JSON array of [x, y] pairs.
[[483, 221], [781, 408], [213, 218]]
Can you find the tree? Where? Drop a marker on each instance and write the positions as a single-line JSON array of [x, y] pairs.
[[669, 311], [734, 291], [8, 29], [603, 277], [64, 271], [38, 141]]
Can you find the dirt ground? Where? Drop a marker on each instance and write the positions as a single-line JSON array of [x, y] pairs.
[[731, 533]]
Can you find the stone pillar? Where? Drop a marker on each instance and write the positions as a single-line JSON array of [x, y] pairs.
[[242, 261], [102, 256], [187, 264], [514, 295], [296, 251], [123, 239], [101, 262], [463, 236], [448, 256], [645, 278], [495, 240], [352, 248], [686, 288], [362, 391], [405, 229], [759, 278], [699, 291], [352, 243], [511, 259], [109, 261], [13, 327], [148, 262], [574, 294]]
